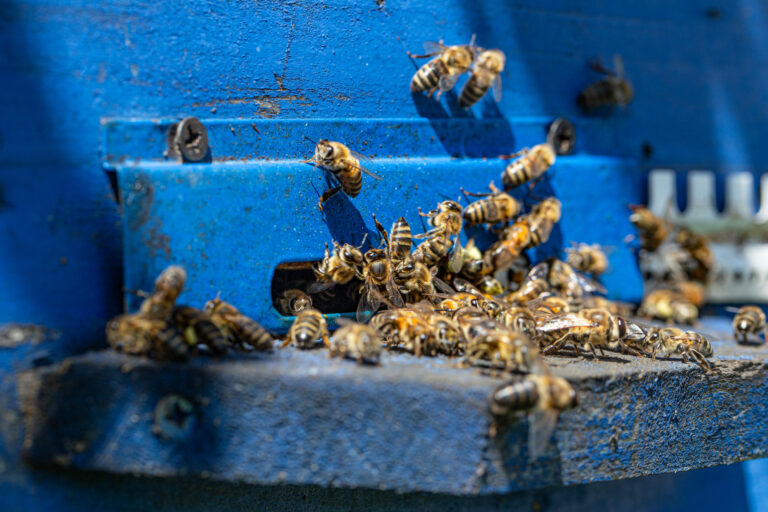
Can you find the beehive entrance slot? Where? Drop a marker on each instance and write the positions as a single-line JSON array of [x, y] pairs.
[[298, 275]]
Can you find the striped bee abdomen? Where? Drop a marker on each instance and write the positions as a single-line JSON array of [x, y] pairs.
[[306, 329], [597, 95], [473, 90], [514, 397], [251, 332], [517, 173], [400, 239], [172, 343], [428, 76], [432, 250]]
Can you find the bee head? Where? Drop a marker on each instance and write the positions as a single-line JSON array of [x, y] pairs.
[[351, 255], [449, 206], [324, 151], [492, 60], [624, 92]]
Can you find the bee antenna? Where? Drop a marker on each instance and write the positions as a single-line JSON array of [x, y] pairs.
[[365, 236], [218, 295], [140, 293], [310, 140]]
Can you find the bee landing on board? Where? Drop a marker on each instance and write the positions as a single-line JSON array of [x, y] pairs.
[[308, 327], [531, 165], [749, 321], [356, 341], [345, 166], [444, 69], [486, 74], [238, 328], [612, 90], [671, 340], [543, 396]]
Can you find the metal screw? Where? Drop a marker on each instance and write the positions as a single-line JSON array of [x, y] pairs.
[[174, 417], [562, 136], [188, 139]]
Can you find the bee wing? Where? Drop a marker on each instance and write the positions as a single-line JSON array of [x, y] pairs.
[[434, 47], [732, 309], [456, 257], [587, 284], [496, 86], [342, 321], [635, 331], [618, 65], [541, 424], [564, 322], [369, 303], [448, 81], [394, 293], [539, 271], [318, 287], [442, 285], [360, 166]]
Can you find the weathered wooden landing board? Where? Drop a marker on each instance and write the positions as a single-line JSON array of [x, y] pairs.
[[410, 425]]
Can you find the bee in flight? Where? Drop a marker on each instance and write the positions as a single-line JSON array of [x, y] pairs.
[[613, 89], [486, 75], [748, 320], [345, 166], [444, 69], [544, 397]]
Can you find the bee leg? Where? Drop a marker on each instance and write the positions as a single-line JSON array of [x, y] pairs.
[[473, 194], [285, 343], [327, 195], [425, 56], [556, 345], [326, 339]]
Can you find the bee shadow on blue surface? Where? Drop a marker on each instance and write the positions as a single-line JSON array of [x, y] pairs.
[[344, 221], [460, 132]]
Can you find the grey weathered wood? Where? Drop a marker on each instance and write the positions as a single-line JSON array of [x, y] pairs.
[[410, 425]]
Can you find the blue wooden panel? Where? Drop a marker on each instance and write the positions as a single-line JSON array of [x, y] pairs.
[[232, 222]]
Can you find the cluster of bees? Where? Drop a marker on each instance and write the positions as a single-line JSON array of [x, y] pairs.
[[166, 331], [489, 308], [689, 261]]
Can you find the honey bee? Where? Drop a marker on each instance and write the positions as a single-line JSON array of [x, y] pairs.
[[293, 301], [432, 250], [700, 260], [531, 165], [237, 327], [447, 333], [533, 286], [544, 396], [443, 70], [502, 347], [197, 327], [748, 320], [692, 291], [548, 305], [613, 89], [549, 209], [496, 207], [589, 259], [668, 305], [377, 274], [624, 309], [339, 268], [407, 329], [141, 335], [168, 287], [671, 340], [446, 221], [474, 266], [308, 327], [344, 165], [589, 329], [519, 319], [400, 240], [651, 229], [486, 75], [417, 282], [514, 240], [356, 341]]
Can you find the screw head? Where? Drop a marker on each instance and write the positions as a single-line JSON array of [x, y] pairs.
[[191, 139], [562, 136], [174, 417]]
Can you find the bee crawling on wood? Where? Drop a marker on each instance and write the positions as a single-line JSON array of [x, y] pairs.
[[671, 340], [749, 320], [238, 328], [308, 327], [356, 341]]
